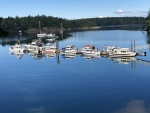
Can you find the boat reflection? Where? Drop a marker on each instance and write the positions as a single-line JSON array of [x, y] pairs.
[[68, 56], [123, 60], [36, 56], [49, 55], [19, 55], [89, 57]]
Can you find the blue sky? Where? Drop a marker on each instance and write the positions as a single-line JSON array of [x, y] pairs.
[[74, 9]]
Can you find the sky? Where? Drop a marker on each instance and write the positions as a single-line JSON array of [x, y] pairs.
[[74, 9]]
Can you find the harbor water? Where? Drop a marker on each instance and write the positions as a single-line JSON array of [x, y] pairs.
[[76, 84]]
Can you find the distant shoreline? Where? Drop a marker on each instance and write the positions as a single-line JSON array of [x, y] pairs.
[[54, 30]]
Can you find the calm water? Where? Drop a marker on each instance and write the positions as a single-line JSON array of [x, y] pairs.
[[60, 84]]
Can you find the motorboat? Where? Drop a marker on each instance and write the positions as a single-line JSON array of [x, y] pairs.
[[34, 43], [48, 48], [16, 48], [90, 50], [106, 49], [69, 49], [121, 52], [50, 39], [35, 46], [51, 35], [41, 35]]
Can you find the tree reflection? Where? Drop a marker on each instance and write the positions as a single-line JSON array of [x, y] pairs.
[[148, 37]]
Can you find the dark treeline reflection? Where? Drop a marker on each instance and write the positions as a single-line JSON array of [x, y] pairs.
[[148, 38], [12, 38]]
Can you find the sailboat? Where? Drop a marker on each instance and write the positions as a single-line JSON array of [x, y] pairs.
[[40, 35]]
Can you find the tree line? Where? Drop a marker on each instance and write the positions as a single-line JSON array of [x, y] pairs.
[[148, 21], [32, 22]]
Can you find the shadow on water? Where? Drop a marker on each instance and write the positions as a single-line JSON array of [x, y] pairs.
[[12, 38], [148, 38]]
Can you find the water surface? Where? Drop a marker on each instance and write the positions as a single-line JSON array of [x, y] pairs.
[[32, 84]]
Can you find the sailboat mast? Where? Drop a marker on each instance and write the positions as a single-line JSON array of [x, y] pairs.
[[40, 27]]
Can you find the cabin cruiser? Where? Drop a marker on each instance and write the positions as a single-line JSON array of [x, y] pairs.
[[90, 50], [48, 48], [35, 46], [70, 49], [106, 49], [41, 35], [16, 48], [121, 52]]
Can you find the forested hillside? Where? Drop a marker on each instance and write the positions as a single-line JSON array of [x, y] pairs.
[[148, 22], [32, 22]]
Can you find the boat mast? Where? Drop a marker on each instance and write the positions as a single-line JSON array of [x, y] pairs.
[[40, 27]]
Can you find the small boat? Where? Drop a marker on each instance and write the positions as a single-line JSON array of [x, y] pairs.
[[35, 46], [121, 52], [50, 39], [49, 48], [106, 49], [35, 42], [16, 48], [40, 35], [50, 35], [70, 49], [90, 50]]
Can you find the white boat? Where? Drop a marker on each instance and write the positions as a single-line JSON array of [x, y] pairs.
[[41, 35], [35, 46], [106, 49], [49, 49], [50, 39], [34, 49], [34, 43], [90, 50], [70, 49], [121, 52], [16, 48], [51, 35]]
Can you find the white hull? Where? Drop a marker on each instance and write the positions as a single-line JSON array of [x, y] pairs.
[[41, 35], [91, 53], [130, 54], [48, 51], [68, 53], [16, 48]]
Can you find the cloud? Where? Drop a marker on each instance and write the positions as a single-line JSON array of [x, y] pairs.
[[137, 12], [135, 106]]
